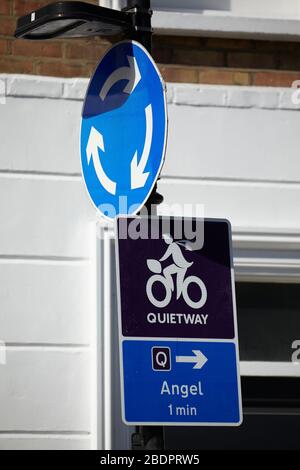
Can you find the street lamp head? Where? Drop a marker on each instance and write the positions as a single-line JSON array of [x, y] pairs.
[[72, 20]]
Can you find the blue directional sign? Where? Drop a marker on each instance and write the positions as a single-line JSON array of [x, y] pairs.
[[123, 130], [180, 382], [177, 322]]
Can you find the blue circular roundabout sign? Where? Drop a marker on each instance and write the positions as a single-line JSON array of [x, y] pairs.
[[123, 130]]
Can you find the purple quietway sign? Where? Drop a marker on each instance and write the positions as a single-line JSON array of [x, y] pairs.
[[177, 322], [190, 296]]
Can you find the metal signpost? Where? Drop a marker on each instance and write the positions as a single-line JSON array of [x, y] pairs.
[[178, 336]]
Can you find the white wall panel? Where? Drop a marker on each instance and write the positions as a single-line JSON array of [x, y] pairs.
[[239, 143], [255, 8], [44, 217], [267, 19], [248, 206], [40, 134], [46, 271], [43, 302], [42, 442], [227, 132], [45, 390]]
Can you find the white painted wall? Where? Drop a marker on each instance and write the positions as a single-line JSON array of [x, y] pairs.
[[235, 150], [267, 19], [255, 8], [46, 273]]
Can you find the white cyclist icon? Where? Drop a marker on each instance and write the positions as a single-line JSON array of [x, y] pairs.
[[164, 277]]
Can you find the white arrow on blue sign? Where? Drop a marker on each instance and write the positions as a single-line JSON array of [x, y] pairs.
[[123, 130]]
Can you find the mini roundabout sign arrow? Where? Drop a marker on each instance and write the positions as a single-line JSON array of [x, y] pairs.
[[123, 130]]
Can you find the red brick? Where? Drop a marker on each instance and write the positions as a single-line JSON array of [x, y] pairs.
[[162, 55], [271, 46], [7, 26], [199, 58], [216, 76], [36, 48], [224, 77], [184, 59], [10, 65], [178, 41], [23, 7], [180, 74], [60, 69], [5, 7], [3, 47], [90, 69], [274, 78], [243, 78], [289, 61], [251, 60], [85, 51], [224, 43]]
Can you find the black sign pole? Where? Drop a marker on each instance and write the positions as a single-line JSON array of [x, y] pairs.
[[141, 21], [149, 437], [141, 17]]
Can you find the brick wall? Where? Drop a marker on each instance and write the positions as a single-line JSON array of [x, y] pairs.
[[64, 58], [228, 61], [181, 59]]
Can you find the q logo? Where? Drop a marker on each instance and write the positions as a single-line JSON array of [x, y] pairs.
[[161, 358]]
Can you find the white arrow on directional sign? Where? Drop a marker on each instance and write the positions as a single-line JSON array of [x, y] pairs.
[[198, 359], [138, 177], [131, 73], [96, 141]]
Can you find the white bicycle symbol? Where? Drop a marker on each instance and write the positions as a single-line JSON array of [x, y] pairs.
[[164, 277]]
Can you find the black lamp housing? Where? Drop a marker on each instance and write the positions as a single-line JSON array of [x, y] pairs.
[[73, 20]]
